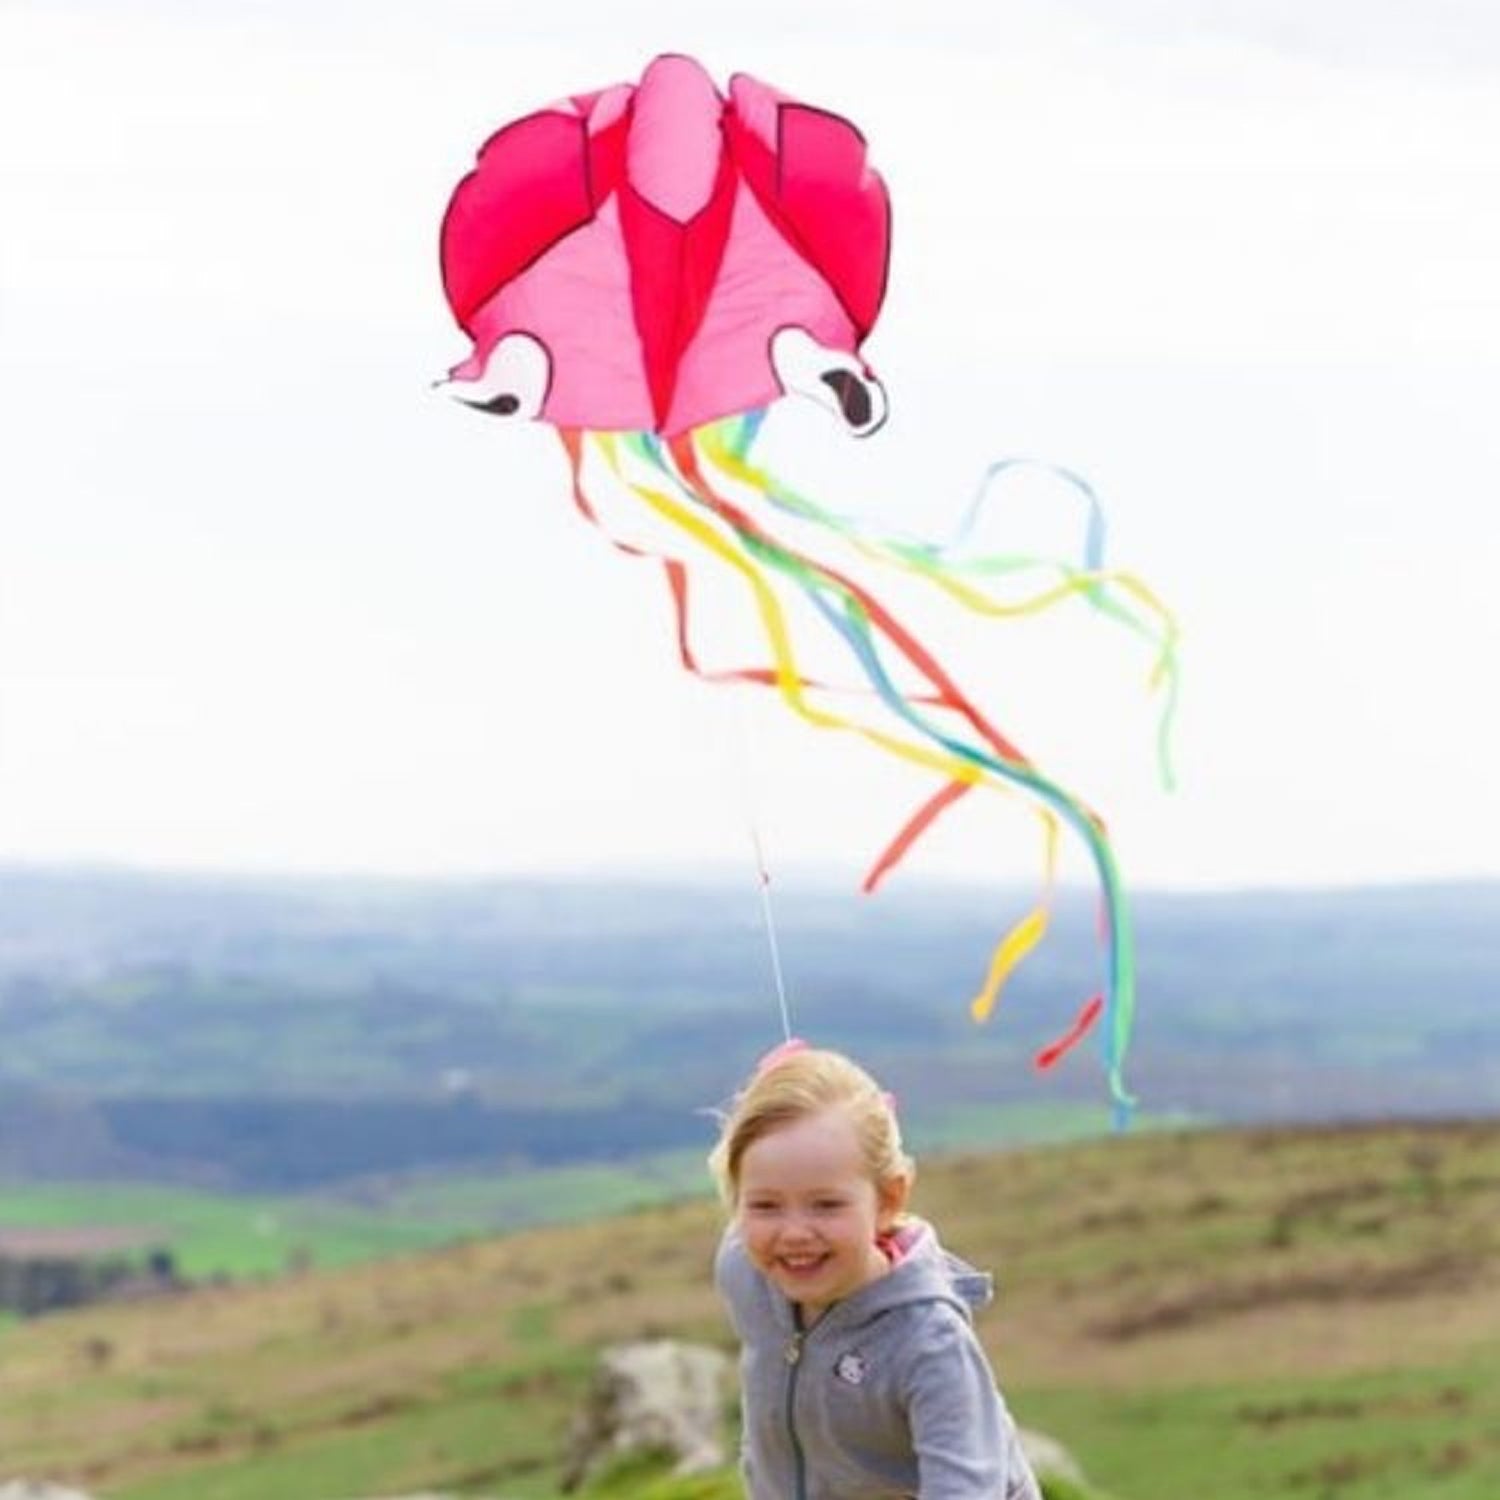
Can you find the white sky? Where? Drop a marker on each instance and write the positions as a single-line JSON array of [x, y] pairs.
[[267, 603]]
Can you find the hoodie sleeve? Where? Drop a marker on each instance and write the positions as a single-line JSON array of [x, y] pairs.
[[963, 1437]]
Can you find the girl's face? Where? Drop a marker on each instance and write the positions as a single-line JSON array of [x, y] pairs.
[[808, 1210]]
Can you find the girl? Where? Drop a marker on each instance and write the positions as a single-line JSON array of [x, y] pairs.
[[861, 1375]]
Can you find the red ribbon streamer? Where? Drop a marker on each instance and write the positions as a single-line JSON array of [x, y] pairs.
[[916, 826], [1050, 1054]]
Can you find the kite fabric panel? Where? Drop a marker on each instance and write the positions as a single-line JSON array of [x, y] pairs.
[[649, 244]]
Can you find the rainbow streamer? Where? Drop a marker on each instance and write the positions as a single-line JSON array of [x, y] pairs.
[[937, 728]]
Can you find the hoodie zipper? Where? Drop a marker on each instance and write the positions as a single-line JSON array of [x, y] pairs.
[[793, 1356]]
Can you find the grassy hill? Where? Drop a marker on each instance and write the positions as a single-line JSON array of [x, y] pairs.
[[1230, 1314]]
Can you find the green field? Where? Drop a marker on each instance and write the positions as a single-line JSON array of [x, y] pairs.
[[213, 1234], [1432, 1433], [1312, 1314]]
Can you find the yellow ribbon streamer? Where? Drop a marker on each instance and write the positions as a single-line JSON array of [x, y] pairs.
[[1024, 936]]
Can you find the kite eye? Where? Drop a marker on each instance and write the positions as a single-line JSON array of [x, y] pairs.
[[513, 383], [834, 379]]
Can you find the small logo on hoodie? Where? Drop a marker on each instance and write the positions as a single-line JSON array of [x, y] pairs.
[[850, 1369]]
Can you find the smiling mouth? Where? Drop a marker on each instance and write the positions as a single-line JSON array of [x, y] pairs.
[[802, 1266]]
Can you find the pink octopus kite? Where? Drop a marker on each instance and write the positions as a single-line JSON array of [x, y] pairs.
[[647, 268]]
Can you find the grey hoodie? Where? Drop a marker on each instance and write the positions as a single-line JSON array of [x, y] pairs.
[[887, 1395]]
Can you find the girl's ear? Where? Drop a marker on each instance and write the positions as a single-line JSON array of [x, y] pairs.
[[891, 1202]]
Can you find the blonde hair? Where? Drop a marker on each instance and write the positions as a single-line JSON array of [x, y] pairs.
[[793, 1084]]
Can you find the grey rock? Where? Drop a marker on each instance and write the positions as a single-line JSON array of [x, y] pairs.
[[661, 1397]]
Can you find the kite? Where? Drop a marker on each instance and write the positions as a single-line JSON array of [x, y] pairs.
[[647, 268]]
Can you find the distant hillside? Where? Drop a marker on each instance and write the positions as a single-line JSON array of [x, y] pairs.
[[1235, 1315], [285, 1033]]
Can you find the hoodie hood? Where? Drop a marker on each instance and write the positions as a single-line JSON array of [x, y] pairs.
[[923, 1272]]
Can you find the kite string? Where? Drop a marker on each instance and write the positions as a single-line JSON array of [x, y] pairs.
[[573, 443], [750, 810], [768, 920]]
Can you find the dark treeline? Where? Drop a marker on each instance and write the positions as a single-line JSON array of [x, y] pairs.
[[299, 1143]]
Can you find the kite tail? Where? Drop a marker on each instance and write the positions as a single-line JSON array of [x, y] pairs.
[[938, 728], [967, 577]]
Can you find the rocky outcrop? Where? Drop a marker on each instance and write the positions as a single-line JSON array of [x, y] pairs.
[[661, 1398]]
